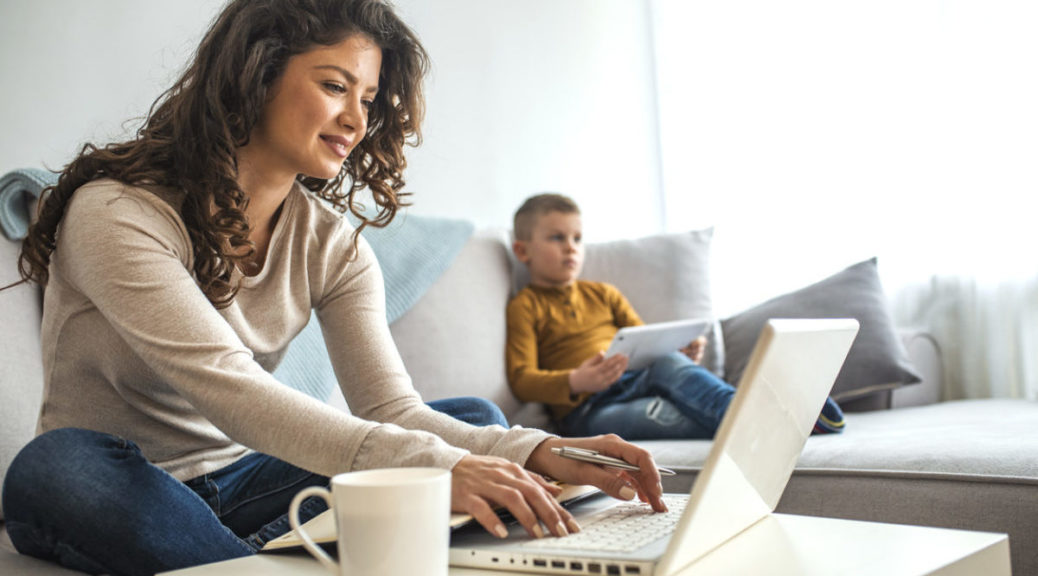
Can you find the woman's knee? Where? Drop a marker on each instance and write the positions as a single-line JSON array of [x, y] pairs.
[[472, 410], [56, 463], [485, 413]]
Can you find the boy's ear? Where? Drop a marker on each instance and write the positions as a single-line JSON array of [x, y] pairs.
[[519, 249]]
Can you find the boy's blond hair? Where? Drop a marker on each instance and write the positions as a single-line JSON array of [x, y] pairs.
[[536, 206]]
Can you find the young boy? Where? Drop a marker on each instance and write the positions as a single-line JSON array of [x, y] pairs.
[[559, 327]]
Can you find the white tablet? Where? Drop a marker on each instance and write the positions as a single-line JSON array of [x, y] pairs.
[[644, 344]]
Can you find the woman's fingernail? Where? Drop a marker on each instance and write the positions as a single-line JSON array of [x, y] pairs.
[[501, 531], [627, 493], [537, 531], [560, 529], [574, 527]]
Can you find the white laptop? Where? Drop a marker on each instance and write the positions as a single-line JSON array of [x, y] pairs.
[[644, 344], [783, 388]]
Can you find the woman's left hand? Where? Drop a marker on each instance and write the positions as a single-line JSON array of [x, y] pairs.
[[622, 484]]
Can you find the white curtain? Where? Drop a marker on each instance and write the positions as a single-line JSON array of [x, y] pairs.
[[988, 332], [813, 134]]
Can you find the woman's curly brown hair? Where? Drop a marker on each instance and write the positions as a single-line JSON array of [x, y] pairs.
[[191, 135]]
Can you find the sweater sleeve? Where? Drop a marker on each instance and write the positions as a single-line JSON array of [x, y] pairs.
[[528, 381], [375, 382], [623, 312]]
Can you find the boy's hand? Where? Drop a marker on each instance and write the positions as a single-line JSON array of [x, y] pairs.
[[597, 373], [695, 349]]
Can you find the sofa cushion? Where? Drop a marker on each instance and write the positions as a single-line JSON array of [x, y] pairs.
[[453, 340], [21, 377], [12, 563], [677, 267], [877, 360], [946, 438], [410, 263]]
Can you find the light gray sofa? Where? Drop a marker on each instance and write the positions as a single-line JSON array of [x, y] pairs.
[[967, 464]]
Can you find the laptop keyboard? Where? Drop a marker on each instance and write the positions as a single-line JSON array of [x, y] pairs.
[[625, 527]]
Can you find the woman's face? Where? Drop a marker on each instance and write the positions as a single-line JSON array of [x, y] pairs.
[[318, 110]]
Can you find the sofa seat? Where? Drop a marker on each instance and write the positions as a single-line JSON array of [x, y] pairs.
[[962, 464]]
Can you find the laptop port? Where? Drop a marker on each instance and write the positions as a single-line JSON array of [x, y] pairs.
[[558, 564], [576, 566], [594, 568], [540, 563], [613, 570], [632, 570]]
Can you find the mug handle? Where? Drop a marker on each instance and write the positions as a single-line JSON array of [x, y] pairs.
[[308, 542]]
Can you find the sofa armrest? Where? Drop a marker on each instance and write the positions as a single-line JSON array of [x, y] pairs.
[[925, 355]]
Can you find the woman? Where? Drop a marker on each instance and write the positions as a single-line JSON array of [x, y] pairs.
[[179, 265]]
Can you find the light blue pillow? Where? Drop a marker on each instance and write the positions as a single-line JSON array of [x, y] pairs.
[[413, 252]]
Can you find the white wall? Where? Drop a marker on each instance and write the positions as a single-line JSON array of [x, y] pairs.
[[539, 95], [77, 71], [524, 97]]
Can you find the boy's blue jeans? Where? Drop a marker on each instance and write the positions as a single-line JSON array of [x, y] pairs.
[[92, 502], [672, 398]]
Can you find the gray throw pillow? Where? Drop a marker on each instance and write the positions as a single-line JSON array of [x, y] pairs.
[[877, 361]]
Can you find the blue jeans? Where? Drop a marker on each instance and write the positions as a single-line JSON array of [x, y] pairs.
[[672, 398], [92, 502]]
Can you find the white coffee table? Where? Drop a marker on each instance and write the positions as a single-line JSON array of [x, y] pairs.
[[781, 544]]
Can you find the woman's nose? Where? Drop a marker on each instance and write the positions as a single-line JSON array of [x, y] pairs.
[[353, 115]]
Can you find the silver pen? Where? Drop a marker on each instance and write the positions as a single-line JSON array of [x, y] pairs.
[[592, 456]]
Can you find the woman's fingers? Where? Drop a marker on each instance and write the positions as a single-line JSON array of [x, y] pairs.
[[481, 483], [513, 500], [552, 488], [483, 513], [548, 510], [644, 483]]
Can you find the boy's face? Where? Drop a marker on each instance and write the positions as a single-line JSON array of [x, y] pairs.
[[554, 252]]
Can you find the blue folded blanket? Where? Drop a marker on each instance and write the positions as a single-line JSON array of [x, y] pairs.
[[19, 190], [413, 251]]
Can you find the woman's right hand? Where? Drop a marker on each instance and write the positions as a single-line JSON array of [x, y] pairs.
[[479, 484]]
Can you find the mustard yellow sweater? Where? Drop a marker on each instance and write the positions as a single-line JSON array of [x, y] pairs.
[[551, 331]]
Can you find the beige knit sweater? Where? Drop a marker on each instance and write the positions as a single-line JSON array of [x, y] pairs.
[[132, 347]]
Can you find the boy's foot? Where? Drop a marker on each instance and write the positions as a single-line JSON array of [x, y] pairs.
[[831, 420]]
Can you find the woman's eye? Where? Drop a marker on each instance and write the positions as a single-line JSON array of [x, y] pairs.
[[334, 87], [368, 104]]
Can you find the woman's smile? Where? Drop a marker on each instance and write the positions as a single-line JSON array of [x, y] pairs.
[[340, 145]]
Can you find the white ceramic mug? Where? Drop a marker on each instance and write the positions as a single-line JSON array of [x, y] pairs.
[[390, 522]]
